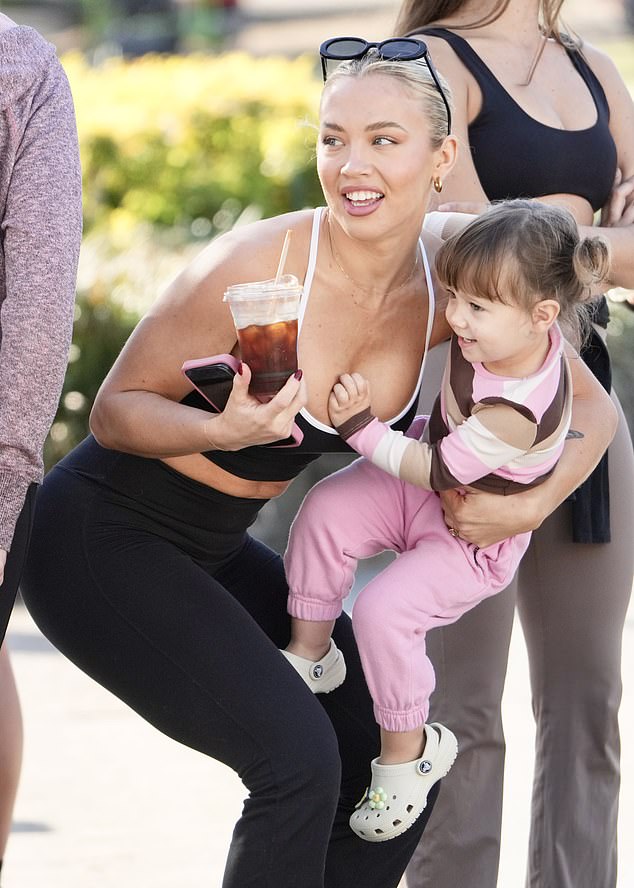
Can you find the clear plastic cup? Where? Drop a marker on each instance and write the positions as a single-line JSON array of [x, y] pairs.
[[265, 317]]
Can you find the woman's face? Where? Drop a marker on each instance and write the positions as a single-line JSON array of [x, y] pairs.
[[374, 157]]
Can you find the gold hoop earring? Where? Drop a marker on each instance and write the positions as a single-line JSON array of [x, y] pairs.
[[437, 184]]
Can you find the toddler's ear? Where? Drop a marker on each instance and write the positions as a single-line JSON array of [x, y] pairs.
[[545, 313]]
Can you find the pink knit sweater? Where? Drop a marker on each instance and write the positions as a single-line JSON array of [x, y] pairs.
[[40, 233]]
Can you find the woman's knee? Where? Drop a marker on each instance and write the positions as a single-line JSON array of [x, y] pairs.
[[306, 765], [593, 697], [320, 765]]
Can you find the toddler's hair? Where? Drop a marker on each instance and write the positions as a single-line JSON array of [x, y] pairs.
[[522, 251]]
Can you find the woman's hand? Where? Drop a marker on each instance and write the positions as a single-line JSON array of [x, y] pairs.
[[245, 421], [3, 561], [349, 396], [486, 518]]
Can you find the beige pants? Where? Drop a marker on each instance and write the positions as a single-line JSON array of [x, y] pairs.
[[572, 601]]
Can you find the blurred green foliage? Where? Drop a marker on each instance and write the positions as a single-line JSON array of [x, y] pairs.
[[170, 139], [175, 150], [100, 331]]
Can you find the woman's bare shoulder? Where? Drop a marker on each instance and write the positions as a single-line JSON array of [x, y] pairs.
[[602, 65], [445, 59], [251, 252]]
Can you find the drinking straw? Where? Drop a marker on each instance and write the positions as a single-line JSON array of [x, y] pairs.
[[280, 267]]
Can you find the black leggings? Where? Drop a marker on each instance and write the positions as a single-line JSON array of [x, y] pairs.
[[15, 559], [149, 583]]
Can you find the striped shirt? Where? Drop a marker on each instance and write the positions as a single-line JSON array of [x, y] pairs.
[[494, 433]]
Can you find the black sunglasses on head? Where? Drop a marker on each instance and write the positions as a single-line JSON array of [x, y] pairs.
[[396, 49]]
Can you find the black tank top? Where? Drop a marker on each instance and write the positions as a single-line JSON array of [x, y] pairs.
[[283, 463], [517, 156]]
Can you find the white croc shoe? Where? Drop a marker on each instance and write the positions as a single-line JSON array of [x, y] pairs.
[[398, 794], [322, 676]]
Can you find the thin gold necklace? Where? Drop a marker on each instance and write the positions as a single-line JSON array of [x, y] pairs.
[[359, 286]]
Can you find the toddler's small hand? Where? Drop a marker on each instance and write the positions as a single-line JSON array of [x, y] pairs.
[[349, 396]]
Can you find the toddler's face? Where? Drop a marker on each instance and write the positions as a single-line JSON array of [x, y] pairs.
[[500, 335]]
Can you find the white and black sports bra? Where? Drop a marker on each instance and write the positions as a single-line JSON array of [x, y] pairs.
[[282, 464]]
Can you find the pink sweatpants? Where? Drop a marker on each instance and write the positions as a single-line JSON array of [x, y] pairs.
[[359, 512]]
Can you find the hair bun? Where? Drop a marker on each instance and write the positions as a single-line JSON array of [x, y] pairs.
[[591, 261]]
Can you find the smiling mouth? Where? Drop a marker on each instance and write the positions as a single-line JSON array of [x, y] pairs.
[[363, 198]]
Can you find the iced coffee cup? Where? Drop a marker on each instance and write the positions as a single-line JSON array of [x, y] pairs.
[[265, 317]]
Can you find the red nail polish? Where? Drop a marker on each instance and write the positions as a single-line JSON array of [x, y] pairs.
[[240, 368], [298, 374]]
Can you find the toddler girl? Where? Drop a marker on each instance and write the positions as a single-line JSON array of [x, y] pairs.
[[499, 424]]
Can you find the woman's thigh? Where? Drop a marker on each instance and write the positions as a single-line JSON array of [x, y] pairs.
[[138, 615], [573, 597]]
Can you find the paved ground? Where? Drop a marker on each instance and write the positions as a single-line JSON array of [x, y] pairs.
[[108, 802]]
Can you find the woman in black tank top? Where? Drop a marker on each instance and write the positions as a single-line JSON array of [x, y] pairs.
[[545, 116]]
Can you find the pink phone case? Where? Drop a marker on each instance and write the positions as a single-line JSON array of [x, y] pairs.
[[232, 362], [296, 435]]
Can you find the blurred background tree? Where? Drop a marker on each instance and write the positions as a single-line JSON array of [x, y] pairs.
[[175, 150]]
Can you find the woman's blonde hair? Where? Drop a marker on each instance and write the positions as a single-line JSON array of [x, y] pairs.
[[414, 75], [522, 251]]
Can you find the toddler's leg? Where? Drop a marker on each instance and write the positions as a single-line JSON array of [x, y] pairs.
[[354, 513], [398, 794], [431, 585], [390, 620], [346, 516]]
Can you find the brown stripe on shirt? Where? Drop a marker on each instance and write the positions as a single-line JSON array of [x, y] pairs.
[[556, 415]]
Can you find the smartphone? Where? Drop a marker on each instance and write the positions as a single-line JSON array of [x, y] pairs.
[[213, 379]]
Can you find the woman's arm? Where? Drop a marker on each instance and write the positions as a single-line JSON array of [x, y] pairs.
[[619, 230], [41, 234], [137, 409], [483, 518]]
